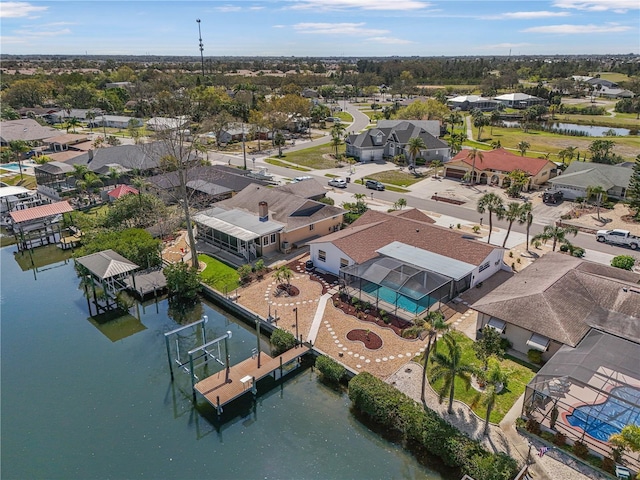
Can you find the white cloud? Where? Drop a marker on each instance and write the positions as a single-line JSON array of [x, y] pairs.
[[397, 5], [228, 8], [389, 40], [52, 33], [278, 26], [618, 6], [337, 29], [18, 9], [529, 15], [256, 8], [11, 40], [578, 29]]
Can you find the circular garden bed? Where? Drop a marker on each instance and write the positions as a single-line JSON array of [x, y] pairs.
[[370, 340], [290, 290]]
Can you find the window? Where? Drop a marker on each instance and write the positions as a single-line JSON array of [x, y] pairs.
[[273, 238], [344, 262], [484, 266], [265, 241], [322, 255], [311, 226]]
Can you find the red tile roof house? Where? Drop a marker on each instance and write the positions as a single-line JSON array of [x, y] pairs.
[[497, 164], [382, 254]]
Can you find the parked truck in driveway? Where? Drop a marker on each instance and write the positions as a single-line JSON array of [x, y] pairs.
[[618, 237]]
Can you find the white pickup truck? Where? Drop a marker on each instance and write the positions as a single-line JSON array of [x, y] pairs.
[[619, 237]]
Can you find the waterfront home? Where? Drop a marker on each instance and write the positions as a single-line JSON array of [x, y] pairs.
[[557, 300], [405, 261], [260, 220]]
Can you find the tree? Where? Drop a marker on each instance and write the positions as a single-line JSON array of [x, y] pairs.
[[435, 323], [557, 234], [455, 142], [492, 203], [628, 438], [601, 151], [600, 195], [429, 109], [518, 179], [633, 192], [473, 155], [489, 345], [496, 381], [523, 147], [436, 165], [514, 213], [135, 211], [183, 282], [414, 146], [279, 141], [494, 119], [283, 275], [336, 136], [19, 148], [453, 119], [528, 214], [626, 262], [480, 122], [400, 204], [449, 367]]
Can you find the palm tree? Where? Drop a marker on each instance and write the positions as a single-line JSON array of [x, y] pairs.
[[449, 367], [473, 155], [400, 204], [514, 212], [19, 148], [284, 274], [523, 147], [336, 136], [496, 380], [279, 141], [494, 118], [492, 203], [414, 146], [571, 152], [436, 165], [527, 208], [600, 195], [435, 323], [557, 234], [453, 119], [72, 123]]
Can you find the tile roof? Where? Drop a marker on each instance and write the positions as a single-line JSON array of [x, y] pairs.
[[374, 230], [42, 211], [503, 160], [564, 297], [122, 190]]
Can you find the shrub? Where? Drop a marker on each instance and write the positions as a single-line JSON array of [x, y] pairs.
[[534, 356], [259, 267], [330, 370], [560, 439], [564, 247], [282, 341], [533, 426], [577, 252], [626, 262], [547, 436], [580, 450], [476, 228], [245, 272], [392, 409], [505, 344]]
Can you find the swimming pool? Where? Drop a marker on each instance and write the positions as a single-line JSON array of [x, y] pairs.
[[13, 166], [602, 420], [404, 302]]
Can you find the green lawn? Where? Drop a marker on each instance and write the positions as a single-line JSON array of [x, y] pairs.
[[219, 275], [28, 181], [278, 163], [345, 117], [396, 177], [519, 376], [392, 188], [612, 76], [313, 157]]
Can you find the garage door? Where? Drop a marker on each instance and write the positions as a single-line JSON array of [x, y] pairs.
[[455, 173]]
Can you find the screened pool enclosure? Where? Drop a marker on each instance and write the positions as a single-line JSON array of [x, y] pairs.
[[397, 287], [589, 393]]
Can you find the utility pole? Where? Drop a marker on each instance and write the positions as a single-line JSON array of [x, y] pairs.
[[201, 47], [244, 150]]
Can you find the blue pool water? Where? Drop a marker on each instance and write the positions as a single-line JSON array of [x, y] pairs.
[[604, 419], [14, 167], [404, 302]]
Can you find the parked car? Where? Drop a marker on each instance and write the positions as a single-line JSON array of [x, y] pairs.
[[618, 237], [301, 179], [552, 197], [374, 185], [338, 183]]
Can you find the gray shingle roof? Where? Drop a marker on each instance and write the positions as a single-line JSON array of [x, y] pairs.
[[25, 129], [562, 297], [584, 174], [307, 188], [107, 264], [291, 210], [230, 178]]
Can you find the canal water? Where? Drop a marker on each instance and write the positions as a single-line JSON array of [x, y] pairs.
[[84, 400]]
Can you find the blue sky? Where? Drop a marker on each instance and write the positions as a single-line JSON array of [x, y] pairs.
[[321, 27]]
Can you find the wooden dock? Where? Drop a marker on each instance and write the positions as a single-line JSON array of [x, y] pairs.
[[225, 386]]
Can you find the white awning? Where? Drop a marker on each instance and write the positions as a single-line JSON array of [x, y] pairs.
[[538, 342], [499, 325]]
